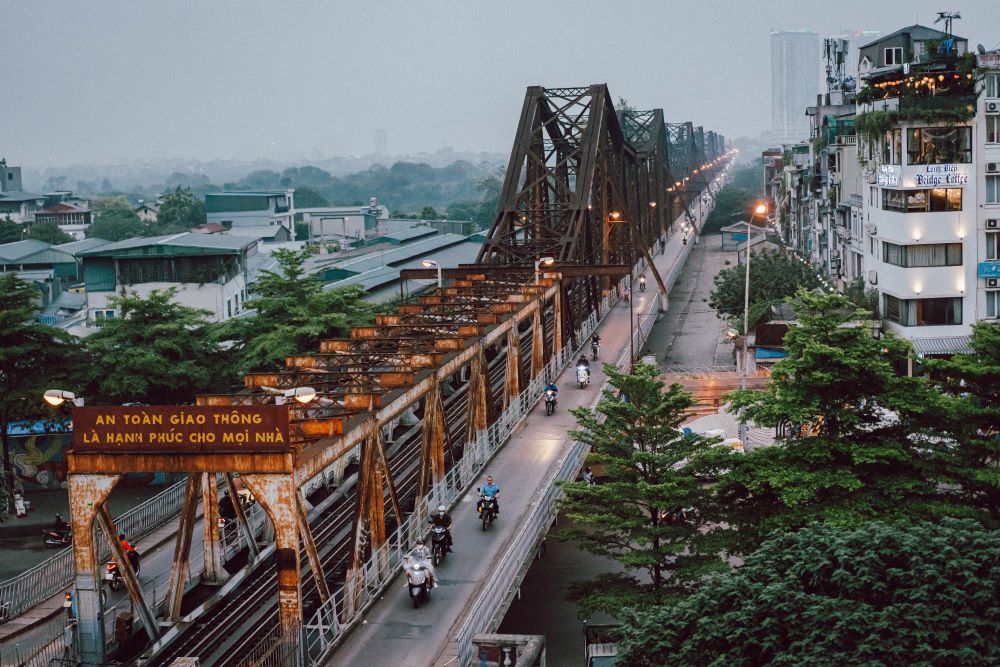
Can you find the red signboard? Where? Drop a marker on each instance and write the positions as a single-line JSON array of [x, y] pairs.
[[169, 429]]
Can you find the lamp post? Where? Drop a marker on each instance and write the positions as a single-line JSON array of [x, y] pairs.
[[759, 209], [616, 217], [544, 261], [430, 263], [303, 395], [56, 397]]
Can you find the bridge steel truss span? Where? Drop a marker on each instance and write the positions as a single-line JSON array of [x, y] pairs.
[[588, 185]]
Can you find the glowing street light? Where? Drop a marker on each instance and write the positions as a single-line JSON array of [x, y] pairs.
[[303, 395], [56, 397], [544, 261], [430, 263]]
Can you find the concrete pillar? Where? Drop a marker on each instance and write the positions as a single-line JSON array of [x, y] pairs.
[[87, 492]]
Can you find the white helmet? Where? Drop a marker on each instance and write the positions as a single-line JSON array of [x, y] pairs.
[[442, 509]]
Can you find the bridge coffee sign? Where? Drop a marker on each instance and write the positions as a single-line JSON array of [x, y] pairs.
[[161, 429]]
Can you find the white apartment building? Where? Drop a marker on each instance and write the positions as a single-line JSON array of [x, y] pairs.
[[795, 71]]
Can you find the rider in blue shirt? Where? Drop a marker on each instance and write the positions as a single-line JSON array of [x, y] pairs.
[[552, 386], [491, 489]]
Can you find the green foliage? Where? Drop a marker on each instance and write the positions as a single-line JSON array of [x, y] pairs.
[[10, 231], [48, 232], [872, 125], [863, 298], [737, 198], [850, 452], [309, 198], [33, 357], [118, 224], [156, 352], [179, 212], [428, 213], [773, 278], [462, 210], [293, 314], [968, 412], [878, 595], [645, 456]]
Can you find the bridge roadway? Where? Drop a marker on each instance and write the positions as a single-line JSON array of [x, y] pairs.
[[393, 633]]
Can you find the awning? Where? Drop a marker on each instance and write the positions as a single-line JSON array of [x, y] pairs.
[[948, 345]]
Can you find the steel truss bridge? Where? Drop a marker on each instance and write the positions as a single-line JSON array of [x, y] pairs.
[[407, 406]]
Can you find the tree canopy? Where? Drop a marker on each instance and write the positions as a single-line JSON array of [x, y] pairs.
[[118, 224], [773, 278], [848, 453], [293, 314], [10, 231], [878, 594], [179, 212], [636, 517], [156, 352], [48, 232], [309, 198]]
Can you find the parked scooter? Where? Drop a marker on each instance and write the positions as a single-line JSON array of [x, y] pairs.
[[487, 509], [60, 535], [550, 402], [113, 575], [418, 582]]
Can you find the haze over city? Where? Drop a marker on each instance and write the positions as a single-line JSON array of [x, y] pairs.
[[105, 82]]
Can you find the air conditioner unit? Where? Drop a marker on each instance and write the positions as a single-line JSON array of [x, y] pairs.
[[870, 228], [993, 282], [993, 223], [992, 167], [873, 277], [993, 106]]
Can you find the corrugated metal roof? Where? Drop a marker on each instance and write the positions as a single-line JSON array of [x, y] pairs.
[[184, 240], [944, 345], [73, 247], [399, 255], [38, 252], [19, 196], [406, 234]]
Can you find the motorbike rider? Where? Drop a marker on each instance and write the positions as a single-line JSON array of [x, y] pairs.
[[442, 518], [550, 386], [595, 343], [491, 489], [642, 282], [583, 364], [627, 294], [59, 525], [422, 554], [130, 551]]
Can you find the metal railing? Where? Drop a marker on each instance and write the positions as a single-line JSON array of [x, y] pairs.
[[50, 644], [53, 575]]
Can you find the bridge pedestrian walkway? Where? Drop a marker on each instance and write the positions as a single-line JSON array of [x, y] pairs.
[[393, 633]]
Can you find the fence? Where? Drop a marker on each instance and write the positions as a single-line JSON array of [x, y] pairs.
[[50, 644]]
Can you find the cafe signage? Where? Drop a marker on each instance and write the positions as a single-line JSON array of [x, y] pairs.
[[161, 429], [888, 176], [989, 60], [940, 175]]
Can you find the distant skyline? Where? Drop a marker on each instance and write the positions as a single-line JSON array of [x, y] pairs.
[[109, 82]]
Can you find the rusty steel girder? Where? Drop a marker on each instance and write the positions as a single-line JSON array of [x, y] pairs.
[[396, 359]]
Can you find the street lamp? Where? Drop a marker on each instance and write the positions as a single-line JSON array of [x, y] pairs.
[[303, 395], [759, 209], [615, 217], [430, 263], [56, 397], [544, 261]]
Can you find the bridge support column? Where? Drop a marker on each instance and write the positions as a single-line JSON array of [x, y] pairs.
[[478, 387], [278, 496], [182, 550], [128, 574], [512, 384], [537, 344], [86, 495], [432, 440], [557, 319], [241, 517], [214, 572]]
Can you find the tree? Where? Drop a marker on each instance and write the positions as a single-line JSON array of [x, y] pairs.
[[309, 198], [968, 414], [118, 224], [428, 213], [634, 518], [48, 232], [463, 210], [737, 198], [33, 358], [489, 187], [10, 231], [879, 594], [180, 212], [157, 352], [293, 314], [849, 452], [773, 278]]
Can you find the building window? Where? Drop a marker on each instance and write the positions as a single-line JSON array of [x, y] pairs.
[[993, 245], [922, 201], [229, 307], [931, 254], [993, 189], [993, 129], [993, 304], [923, 312], [939, 145], [893, 147], [993, 85], [894, 56]]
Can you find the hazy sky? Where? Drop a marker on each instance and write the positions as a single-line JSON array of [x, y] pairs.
[[101, 81]]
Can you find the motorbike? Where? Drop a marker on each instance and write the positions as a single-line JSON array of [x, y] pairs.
[[58, 537], [583, 376], [418, 582], [550, 402], [595, 349], [113, 575], [642, 284], [439, 544], [487, 510]]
